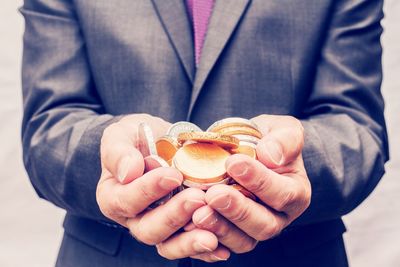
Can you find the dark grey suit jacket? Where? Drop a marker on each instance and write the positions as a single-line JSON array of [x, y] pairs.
[[87, 62]]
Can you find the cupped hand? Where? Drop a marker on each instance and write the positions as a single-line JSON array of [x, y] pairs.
[[279, 180], [124, 194]]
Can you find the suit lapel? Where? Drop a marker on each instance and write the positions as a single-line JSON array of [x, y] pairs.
[[223, 21], [174, 18]]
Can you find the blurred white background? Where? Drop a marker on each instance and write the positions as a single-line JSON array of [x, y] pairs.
[[30, 228]]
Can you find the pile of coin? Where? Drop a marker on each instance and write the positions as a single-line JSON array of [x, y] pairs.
[[200, 155]]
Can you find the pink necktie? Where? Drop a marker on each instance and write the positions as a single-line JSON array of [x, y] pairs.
[[200, 11]]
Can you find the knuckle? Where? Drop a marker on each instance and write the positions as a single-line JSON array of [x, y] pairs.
[[222, 230], [268, 231], [172, 221], [107, 211], [289, 198], [148, 195], [241, 214], [143, 236], [245, 245], [121, 206], [295, 201], [258, 184]]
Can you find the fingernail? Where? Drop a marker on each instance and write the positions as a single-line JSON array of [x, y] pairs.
[[192, 204], [200, 248], [221, 202], [274, 151], [218, 258], [169, 183], [208, 219], [123, 168], [238, 169]]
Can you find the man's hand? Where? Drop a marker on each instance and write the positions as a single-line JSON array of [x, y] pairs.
[[124, 193], [278, 179]]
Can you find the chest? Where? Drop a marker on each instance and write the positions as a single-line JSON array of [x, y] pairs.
[[273, 44]]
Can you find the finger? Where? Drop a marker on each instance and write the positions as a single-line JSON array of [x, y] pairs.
[[282, 142], [256, 220], [219, 254], [119, 155], [158, 224], [227, 233], [187, 244], [290, 195], [120, 201], [189, 227]]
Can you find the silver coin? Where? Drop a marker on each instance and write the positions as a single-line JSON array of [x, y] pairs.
[[182, 127], [153, 162], [166, 198], [232, 121], [162, 200], [146, 144], [179, 189], [247, 138], [204, 186], [250, 144]]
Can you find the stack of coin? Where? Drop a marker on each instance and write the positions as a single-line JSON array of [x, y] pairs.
[[202, 160], [245, 130], [201, 156], [168, 145]]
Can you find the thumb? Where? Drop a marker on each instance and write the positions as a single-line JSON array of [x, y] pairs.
[[282, 142], [130, 166], [119, 155]]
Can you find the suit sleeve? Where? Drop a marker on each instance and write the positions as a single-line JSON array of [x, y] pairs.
[[63, 115], [345, 133]]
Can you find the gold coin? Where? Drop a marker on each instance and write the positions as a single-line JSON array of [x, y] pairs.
[[244, 191], [207, 137], [167, 146], [245, 150], [201, 162], [239, 130], [245, 143]]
